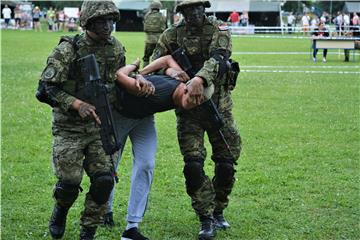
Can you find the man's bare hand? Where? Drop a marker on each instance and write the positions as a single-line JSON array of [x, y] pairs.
[[144, 87], [88, 110], [177, 74], [195, 88]]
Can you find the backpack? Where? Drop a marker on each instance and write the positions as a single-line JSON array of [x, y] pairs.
[[154, 22]]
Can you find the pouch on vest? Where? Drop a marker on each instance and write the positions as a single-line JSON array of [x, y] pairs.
[[233, 74]]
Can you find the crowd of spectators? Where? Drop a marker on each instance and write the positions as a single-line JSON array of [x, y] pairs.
[[32, 17], [237, 19], [344, 22]]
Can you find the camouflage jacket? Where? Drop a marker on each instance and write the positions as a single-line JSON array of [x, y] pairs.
[[198, 46], [62, 70]]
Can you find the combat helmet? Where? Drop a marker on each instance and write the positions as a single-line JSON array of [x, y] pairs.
[[187, 3], [155, 5], [91, 9]]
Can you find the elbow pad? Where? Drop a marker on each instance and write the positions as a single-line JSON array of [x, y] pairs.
[[222, 57], [46, 93]]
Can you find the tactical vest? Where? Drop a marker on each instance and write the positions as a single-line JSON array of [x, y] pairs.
[[154, 22], [196, 44], [108, 58]]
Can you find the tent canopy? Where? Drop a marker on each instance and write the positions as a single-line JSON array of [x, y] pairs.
[[244, 5], [352, 7]]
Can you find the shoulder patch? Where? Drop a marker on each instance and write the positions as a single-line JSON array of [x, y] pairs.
[[49, 72], [223, 41]]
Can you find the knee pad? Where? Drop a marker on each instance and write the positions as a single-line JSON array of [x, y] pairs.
[[101, 187], [194, 174], [66, 194], [224, 174]]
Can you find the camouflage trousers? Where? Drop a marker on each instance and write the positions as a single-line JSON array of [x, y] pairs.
[[149, 49], [76, 151], [210, 197]]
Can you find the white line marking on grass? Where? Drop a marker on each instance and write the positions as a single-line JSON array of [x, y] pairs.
[[284, 53], [301, 67], [299, 71]]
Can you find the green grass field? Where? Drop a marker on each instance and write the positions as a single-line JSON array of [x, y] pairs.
[[297, 178]]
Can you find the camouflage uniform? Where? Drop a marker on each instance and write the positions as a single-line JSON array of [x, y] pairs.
[[77, 145], [154, 25], [208, 196]]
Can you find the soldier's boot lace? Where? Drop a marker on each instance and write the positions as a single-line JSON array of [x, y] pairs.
[[108, 220], [207, 231], [57, 221], [87, 233], [220, 221]]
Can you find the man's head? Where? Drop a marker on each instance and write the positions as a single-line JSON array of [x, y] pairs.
[[193, 11], [98, 17], [321, 26]]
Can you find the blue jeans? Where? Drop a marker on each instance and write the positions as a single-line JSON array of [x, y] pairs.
[[142, 134]]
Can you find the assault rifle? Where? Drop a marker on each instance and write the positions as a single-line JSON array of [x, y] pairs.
[[216, 119], [97, 91]]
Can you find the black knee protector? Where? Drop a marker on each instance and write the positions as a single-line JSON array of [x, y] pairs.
[[66, 194], [194, 174], [224, 173], [101, 187]]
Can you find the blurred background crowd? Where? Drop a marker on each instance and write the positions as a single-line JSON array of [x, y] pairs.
[[243, 17]]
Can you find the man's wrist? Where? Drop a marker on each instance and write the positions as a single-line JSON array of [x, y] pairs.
[[200, 80]]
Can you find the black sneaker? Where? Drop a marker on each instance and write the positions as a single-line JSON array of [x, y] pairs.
[[207, 231], [133, 234], [108, 220], [220, 222]]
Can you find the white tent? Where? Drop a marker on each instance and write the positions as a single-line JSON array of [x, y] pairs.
[[352, 7], [244, 5]]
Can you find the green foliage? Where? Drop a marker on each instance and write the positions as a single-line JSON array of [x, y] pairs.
[[57, 4], [297, 178]]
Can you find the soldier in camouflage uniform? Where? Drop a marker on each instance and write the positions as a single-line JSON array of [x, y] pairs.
[[77, 146], [154, 25], [208, 46]]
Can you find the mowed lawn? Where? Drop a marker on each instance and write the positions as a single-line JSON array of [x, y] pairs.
[[297, 177]]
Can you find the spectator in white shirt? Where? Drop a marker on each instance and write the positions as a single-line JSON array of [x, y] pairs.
[[7, 15], [346, 18], [339, 21], [305, 23], [290, 22]]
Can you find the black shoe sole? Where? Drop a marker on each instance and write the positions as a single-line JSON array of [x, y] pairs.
[[207, 238]]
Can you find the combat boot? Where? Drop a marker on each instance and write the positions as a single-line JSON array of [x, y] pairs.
[[87, 233], [220, 221], [108, 220], [207, 231], [57, 222]]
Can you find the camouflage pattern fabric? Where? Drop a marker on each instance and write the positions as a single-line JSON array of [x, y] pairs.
[[192, 124], [92, 9], [154, 25], [77, 146], [187, 3], [149, 49]]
